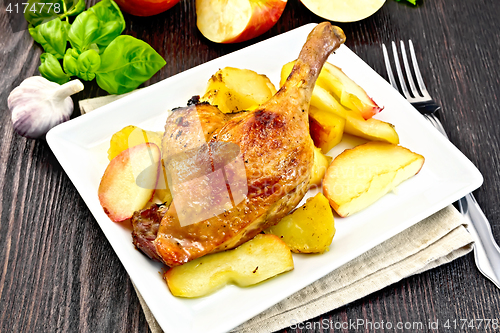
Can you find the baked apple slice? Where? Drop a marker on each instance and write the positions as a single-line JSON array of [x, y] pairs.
[[360, 176], [326, 128], [252, 262], [349, 93], [129, 181], [370, 129], [233, 21], [338, 92]]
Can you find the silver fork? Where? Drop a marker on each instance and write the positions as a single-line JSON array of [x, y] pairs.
[[486, 250]]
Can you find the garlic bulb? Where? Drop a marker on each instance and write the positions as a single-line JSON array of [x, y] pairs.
[[38, 104]]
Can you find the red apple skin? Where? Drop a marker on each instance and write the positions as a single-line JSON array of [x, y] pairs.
[[108, 191], [265, 14], [368, 113], [145, 7]]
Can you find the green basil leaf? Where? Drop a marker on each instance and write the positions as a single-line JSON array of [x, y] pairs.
[[38, 12], [102, 48], [95, 47], [126, 63], [70, 62], [84, 31], [82, 65], [77, 7], [51, 69], [111, 22], [52, 35], [88, 63]]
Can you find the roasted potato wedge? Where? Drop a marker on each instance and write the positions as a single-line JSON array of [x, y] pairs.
[[233, 89], [308, 229], [257, 260]]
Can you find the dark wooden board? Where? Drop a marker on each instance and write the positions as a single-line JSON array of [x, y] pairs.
[[59, 273]]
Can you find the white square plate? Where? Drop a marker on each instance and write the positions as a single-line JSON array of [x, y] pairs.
[[81, 146]]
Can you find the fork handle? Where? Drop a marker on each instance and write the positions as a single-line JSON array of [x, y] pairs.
[[426, 107], [487, 252]]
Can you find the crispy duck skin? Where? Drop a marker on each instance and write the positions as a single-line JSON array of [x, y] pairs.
[[275, 145], [145, 224], [190, 127]]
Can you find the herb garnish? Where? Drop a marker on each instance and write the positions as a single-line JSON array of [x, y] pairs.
[[120, 63]]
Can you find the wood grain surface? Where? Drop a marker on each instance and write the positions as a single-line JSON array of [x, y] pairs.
[[58, 272]]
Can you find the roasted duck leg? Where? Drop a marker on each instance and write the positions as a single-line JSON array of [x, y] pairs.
[[188, 131], [270, 148]]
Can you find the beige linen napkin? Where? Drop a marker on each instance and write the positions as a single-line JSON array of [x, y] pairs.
[[434, 241]]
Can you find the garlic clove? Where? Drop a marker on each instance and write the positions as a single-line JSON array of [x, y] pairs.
[[38, 104]]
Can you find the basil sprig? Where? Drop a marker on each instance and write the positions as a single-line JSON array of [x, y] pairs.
[[120, 63]]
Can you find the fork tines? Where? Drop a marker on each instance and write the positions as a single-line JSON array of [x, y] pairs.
[[415, 95]]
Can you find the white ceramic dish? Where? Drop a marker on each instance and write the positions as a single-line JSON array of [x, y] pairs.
[[80, 145]]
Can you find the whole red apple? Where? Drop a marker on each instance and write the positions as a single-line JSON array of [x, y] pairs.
[[233, 21], [145, 7]]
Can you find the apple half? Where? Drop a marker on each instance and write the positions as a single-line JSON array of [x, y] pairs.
[[234, 21], [342, 10], [129, 181], [360, 176]]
